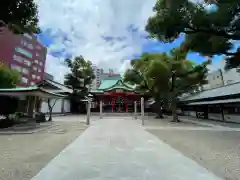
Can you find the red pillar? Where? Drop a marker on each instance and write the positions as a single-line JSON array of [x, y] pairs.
[[113, 104]]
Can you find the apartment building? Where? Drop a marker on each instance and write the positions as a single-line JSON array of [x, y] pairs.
[[25, 54], [221, 78], [97, 81]]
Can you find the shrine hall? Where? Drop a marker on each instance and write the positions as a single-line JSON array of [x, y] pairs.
[[116, 95]]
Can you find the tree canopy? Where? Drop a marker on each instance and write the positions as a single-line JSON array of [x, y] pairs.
[[210, 32], [8, 78], [81, 74], [20, 15], [166, 76]]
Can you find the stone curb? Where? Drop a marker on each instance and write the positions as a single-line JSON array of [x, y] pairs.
[[28, 132]]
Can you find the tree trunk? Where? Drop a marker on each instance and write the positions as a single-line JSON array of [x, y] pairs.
[[174, 110], [158, 109], [50, 108], [173, 98]]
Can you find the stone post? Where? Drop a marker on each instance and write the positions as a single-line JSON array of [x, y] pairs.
[[135, 109], [88, 111], [142, 110], [101, 109]]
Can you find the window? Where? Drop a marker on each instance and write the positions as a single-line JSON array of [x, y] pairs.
[[39, 70], [26, 44], [39, 47], [34, 68], [30, 46], [24, 80], [32, 83], [27, 36], [17, 58], [25, 71], [37, 54], [36, 61], [24, 52], [38, 78], [40, 63], [21, 60], [27, 62], [16, 67], [34, 76]]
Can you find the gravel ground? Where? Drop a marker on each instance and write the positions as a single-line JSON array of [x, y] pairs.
[[166, 123], [23, 156], [219, 152]]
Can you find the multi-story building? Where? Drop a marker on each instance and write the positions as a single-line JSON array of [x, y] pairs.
[[215, 79], [97, 81], [221, 78], [25, 54]]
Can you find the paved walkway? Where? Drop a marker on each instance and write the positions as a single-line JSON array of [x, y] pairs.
[[117, 149]]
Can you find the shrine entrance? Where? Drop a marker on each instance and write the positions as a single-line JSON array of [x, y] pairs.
[[116, 96], [117, 102]]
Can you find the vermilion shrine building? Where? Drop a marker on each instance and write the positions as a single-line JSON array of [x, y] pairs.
[[116, 95]]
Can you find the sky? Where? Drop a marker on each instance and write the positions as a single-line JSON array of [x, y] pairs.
[[108, 32]]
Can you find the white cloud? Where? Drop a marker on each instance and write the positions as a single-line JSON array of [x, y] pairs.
[[86, 22], [54, 67]]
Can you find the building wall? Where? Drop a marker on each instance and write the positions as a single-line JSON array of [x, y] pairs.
[[231, 76], [215, 79], [57, 108], [25, 54], [220, 78], [97, 81]]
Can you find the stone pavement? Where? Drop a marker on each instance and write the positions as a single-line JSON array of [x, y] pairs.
[[118, 149]]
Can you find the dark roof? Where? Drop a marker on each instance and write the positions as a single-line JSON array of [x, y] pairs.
[[231, 89], [61, 88], [31, 91]]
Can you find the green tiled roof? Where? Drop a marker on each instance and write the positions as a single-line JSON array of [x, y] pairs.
[[113, 83], [31, 88], [107, 83]]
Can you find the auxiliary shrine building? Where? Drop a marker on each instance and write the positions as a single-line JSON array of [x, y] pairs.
[[116, 95]]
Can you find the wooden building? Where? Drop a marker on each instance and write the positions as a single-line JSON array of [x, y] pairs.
[[116, 95], [221, 104]]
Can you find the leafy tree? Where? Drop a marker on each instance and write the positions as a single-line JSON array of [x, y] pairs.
[[79, 79], [209, 32], [165, 77], [20, 15], [8, 78], [81, 74]]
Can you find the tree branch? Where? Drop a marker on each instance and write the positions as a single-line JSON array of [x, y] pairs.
[[216, 32]]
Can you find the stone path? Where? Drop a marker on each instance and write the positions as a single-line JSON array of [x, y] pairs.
[[117, 149]]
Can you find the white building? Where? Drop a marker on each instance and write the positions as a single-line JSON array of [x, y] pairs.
[[221, 78], [97, 81], [60, 105]]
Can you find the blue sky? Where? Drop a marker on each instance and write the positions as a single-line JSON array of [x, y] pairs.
[[109, 33]]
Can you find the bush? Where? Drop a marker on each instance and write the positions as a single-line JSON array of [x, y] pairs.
[[8, 105], [6, 122]]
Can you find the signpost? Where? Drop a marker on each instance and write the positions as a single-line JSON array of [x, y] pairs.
[[142, 110]]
